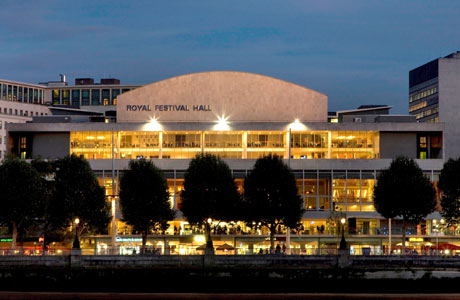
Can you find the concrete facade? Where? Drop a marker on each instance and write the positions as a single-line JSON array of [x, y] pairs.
[[449, 104], [235, 96], [406, 142]]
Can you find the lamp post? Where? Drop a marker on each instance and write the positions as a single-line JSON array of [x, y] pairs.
[[343, 243], [76, 241]]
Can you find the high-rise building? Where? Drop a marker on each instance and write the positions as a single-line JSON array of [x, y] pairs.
[[434, 96]]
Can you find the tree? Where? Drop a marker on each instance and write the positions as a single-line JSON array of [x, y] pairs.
[[46, 170], [144, 198], [271, 196], [449, 184], [21, 201], [403, 191], [77, 194], [209, 193]]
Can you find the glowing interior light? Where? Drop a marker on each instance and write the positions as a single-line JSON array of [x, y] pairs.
[[100, 137], [199, 238]]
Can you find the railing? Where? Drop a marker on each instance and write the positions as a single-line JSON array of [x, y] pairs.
[[159, 251]]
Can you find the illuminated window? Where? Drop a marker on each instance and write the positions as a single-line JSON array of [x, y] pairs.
[[115, 93], [106, 97], [56, 96], [65, 97]]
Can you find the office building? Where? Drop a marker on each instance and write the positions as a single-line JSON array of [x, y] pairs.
[[434, 96]]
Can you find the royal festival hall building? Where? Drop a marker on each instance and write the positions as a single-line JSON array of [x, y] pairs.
[[336, 157]]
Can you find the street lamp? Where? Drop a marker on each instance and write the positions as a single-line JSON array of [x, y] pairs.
[[76, 241], [343, 243]]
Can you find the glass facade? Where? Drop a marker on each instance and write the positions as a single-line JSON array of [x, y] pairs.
[[355, 144], [20, 93], [225, 144], [91, 96], [232, 144]]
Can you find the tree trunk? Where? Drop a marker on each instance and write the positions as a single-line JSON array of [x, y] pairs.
[[272, 238], [403, 237], [45, 250], [14, 237], [144, 241], [209, 245]]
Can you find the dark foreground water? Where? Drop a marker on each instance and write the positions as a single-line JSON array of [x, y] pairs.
[[169, 296]]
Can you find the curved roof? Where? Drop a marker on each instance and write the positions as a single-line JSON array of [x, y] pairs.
[[238, 96]]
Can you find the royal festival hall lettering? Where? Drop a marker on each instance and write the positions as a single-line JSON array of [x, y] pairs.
[[138, 108], [169, 107]]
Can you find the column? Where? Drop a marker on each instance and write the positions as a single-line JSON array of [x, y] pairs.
[[245, 145], [160, 145]]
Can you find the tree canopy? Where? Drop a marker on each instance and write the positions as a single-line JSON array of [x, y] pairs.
[[21, 198], [209, 192], [403, 191], [449, 183], [271, 196], [144, 198], [77, 194]]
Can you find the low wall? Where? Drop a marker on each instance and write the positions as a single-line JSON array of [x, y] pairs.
[[228, 273], [231, 261]]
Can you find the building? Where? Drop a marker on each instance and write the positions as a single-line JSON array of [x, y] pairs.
[[434, 94], [240, 117], [22, 101], [19, 102], [85, 94]]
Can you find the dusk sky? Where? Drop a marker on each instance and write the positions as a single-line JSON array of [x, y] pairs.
[[356, 52]]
